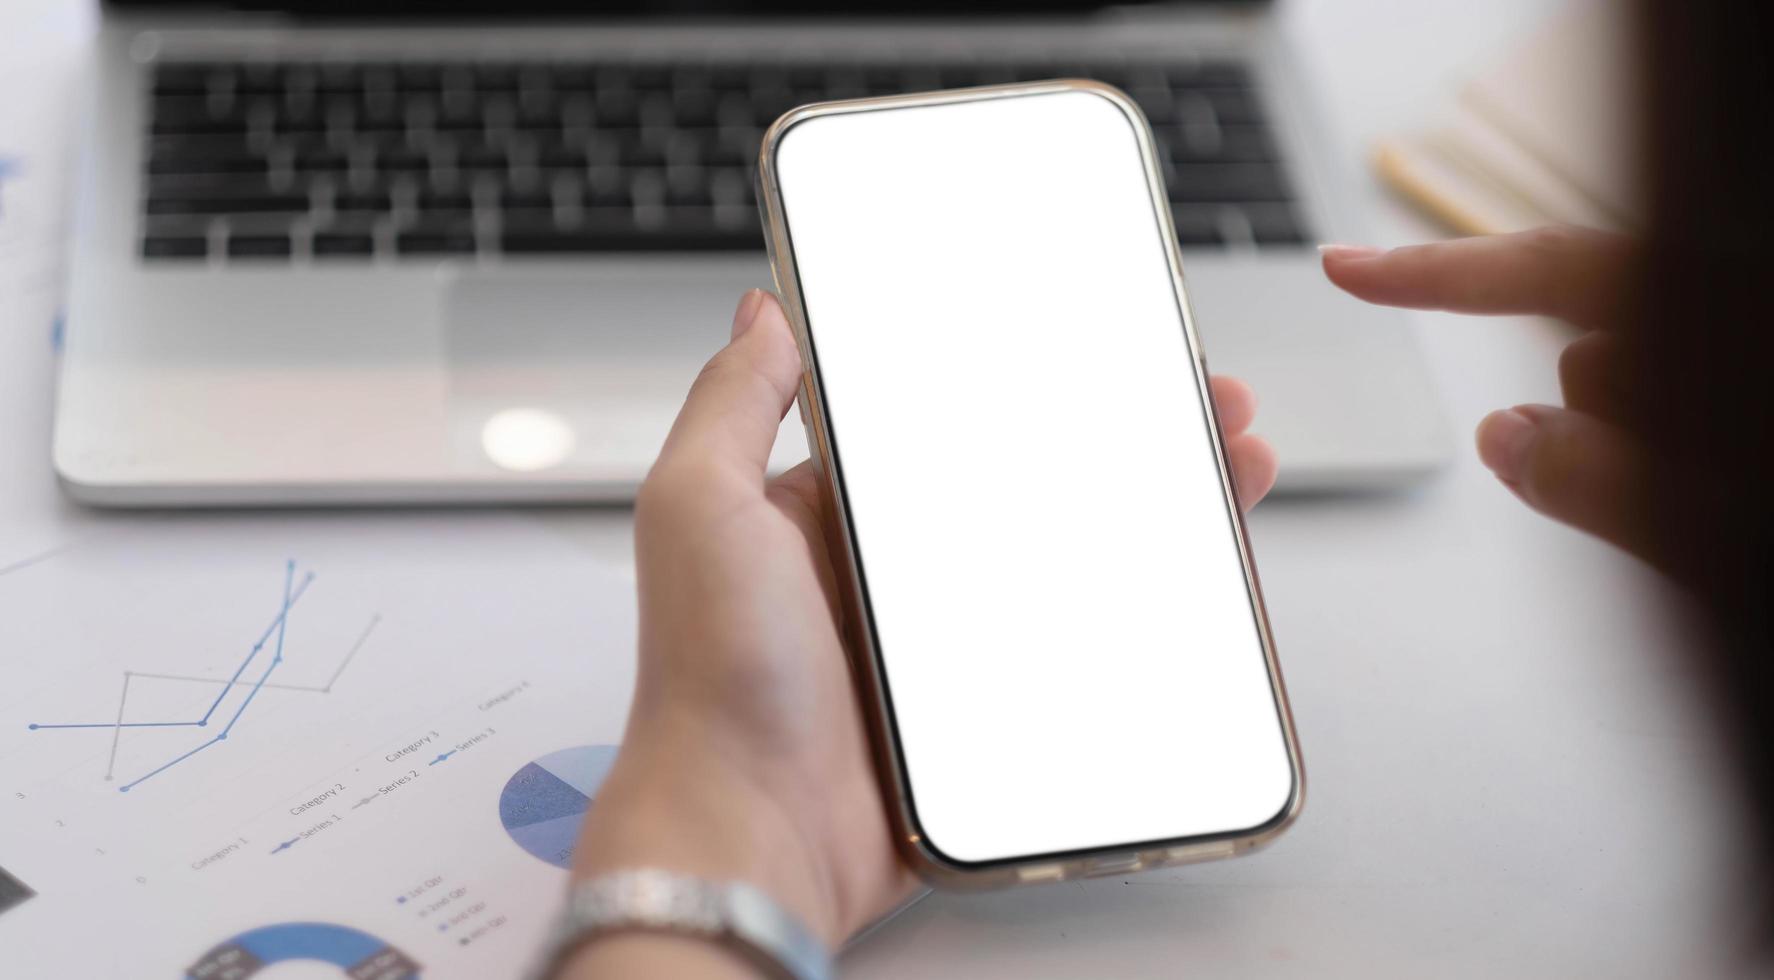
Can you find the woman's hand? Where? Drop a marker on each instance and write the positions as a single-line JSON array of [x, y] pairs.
[[1580, 464], [745, 755]]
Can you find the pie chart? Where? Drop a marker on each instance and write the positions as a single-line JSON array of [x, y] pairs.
[[543, 803], [357, 954]]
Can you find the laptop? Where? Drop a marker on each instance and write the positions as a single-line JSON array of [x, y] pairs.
[[406, 252]]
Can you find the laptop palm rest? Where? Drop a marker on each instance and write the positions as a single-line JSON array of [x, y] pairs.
[[582, 368]]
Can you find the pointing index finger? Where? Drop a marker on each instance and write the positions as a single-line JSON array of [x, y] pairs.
[[1575, 274]]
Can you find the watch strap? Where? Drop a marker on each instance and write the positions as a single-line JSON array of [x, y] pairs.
[[732, 914]]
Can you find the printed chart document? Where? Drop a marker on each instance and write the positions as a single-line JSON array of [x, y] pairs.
[[300, 746]]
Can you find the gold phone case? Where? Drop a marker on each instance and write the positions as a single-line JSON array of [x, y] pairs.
[[866, 665]]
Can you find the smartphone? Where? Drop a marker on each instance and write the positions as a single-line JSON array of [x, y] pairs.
[[1059, 636]]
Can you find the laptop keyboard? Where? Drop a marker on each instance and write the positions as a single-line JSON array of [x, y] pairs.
[[350, 161]]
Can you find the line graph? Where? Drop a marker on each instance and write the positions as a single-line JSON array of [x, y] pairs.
[[274, 637]]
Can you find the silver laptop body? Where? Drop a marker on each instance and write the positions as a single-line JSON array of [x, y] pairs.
[[534, 342]]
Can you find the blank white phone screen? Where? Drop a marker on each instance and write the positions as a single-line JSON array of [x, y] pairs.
[[1069, 645]]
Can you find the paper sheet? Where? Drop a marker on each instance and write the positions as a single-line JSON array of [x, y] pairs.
[[360, 745]]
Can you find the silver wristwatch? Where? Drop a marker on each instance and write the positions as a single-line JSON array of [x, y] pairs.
[[732, 914]]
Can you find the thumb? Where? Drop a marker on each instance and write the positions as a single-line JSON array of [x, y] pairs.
[[1573, 468], [733, 410]]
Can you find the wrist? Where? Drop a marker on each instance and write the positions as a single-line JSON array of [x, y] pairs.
[[671, 804], [641, 954]]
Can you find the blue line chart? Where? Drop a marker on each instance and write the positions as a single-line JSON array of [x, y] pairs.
[[273, 637]]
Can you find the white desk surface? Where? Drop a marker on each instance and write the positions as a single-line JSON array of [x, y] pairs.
[[1507, 772]]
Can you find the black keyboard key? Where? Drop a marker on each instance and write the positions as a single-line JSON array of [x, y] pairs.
[[483, 159], [542, 114], [180, 124], [396, 159], [687, 188], [197, 145], [319, 160], [1274, 224], [805, 75], [182, 78], [373, 202], [769, 103], [174, 109], [693, 108], [461, 114], [730, 77], [738, 152], [262, 78], [607, 194], [1244, 144], [633, 151], [258, 246], [557, 156], [616, 109], [502, 77], [445, 202], [732, 186], [1210, 74], [174, 246], [620, 230], [651, 75], [436, 238], [1216, 182], [418, 77], [572, 77], [341, 77], [1197, 226], [168, 164], [513, 199], [330, 243], [304, 118], [210, 184], [380, 115], [1235, 107], [168, 203]]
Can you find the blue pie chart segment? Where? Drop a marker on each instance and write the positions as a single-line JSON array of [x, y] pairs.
[[543, 802], [357, 954]]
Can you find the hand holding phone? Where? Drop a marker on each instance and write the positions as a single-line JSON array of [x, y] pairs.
[[745, 754]]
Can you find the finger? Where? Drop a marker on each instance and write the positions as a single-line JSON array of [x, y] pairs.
[[1590, 373], [733, 410], [1254, 467], [797, 487], [1236, 403], [1575, 274], [1571, 467]]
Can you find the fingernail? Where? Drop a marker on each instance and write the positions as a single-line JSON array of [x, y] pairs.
[[1505, 440], [747, 314], [1337, 251]]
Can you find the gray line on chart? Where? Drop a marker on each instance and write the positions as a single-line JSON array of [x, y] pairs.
[[24, 563], [249, 682], [117, 733], [361, 637], [316, 689]]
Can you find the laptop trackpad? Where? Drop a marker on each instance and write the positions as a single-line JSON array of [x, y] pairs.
[[583, 369]]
